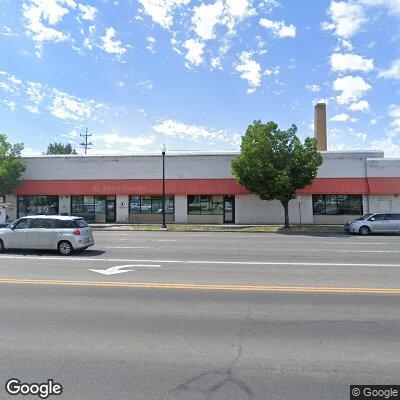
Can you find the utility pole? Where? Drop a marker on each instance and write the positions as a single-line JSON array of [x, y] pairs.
[[85, 144]]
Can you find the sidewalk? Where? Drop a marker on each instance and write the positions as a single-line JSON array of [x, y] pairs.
[[221, 228]]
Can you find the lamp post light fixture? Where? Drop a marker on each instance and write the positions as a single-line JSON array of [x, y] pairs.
[[163, 150]]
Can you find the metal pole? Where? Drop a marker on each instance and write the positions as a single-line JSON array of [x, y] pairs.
[[300, 212], [164, 225]]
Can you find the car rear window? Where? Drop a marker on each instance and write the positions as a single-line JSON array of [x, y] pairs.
[[80, 223], [65, 224]]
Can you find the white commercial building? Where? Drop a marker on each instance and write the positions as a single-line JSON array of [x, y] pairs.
[[200, 188]]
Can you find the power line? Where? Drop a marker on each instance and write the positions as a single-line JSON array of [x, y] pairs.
[[85, 144]]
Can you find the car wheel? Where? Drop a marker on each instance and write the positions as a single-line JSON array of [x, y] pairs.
[[1, 246], [65, 248], [364, 231]]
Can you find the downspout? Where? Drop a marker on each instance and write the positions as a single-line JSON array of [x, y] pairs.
[[368, 189]]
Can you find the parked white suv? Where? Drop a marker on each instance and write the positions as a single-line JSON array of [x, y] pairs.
[[45, 232]]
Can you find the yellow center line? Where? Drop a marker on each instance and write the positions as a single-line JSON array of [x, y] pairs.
[[198, 286]]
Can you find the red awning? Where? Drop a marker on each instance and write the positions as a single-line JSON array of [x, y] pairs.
[[384, 185], [336, 186], [130, 186], [198, 186]]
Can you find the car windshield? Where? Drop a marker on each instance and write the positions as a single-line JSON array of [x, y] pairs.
[[366, 216], [81, 223], [10, 226]]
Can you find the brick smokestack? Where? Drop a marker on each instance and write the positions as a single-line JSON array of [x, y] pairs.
[[320, 129]]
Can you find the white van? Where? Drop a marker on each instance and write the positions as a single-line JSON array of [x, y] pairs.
[[45, 232]]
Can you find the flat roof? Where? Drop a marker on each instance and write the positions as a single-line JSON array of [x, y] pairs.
[[183, 153]]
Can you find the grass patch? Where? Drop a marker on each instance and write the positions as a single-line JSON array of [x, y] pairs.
[[228, 228]]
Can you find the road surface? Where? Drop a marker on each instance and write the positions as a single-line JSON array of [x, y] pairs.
[[204, 316]]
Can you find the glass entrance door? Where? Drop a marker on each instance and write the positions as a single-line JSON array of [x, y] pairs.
[[110, 211], [229, 209]]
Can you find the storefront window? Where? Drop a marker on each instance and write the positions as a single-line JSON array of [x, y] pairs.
[[205, 205], [150, 204], [37, 205], [91, 208], [337, 204]]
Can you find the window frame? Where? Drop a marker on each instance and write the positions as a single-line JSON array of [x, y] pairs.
[[337, 201], [25, 200], [213, 207], [153, 199]]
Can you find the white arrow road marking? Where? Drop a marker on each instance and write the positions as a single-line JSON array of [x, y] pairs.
[[313, 263], [117, 269]]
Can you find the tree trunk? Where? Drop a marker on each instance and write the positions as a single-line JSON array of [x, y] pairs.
[[286, 208]]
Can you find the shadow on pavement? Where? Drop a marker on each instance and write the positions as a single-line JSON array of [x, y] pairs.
[[46, 253]]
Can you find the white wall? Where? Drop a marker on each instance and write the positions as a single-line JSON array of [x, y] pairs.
[[182, 166], [388, 168], [384, 203], [64, 205], [251, 210], [351, 164], [181, 209], [122, 209], [215, 166]]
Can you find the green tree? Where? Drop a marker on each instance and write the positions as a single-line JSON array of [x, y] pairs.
[[274, 163], [60, 148], [11, 166]]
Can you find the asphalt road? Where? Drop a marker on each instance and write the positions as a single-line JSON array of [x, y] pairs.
[[204, 316]]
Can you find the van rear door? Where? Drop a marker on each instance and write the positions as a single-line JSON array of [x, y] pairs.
[[86, 231]]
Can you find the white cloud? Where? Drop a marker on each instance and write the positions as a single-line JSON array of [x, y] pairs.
[[347, 18], [34, 92], [88, 13], [313, 88], [216, 63], [29, 152], [361, 105], [279, 28], [352, 89], [145, 84], [362, 136], [151, 41], [38, 12], [110, 45], [110, 142], [195, 51], [206, 17], [392, 5], [6, 31], [180, 130], [239, 8], [223, 12], [351, 62], [373, 121], [340, 118], [12, 105], [388, 145], [67, 107], [394, 113], [14, 80], [5, 86], [32, 109], [393, 72], [249, 70], [161, 11]]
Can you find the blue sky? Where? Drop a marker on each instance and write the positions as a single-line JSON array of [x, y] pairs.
[[194, 74]]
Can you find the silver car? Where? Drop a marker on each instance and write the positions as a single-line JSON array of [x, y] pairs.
[[374, 223], [44, 232]]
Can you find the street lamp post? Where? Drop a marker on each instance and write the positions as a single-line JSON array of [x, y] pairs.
[[164, 225]]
